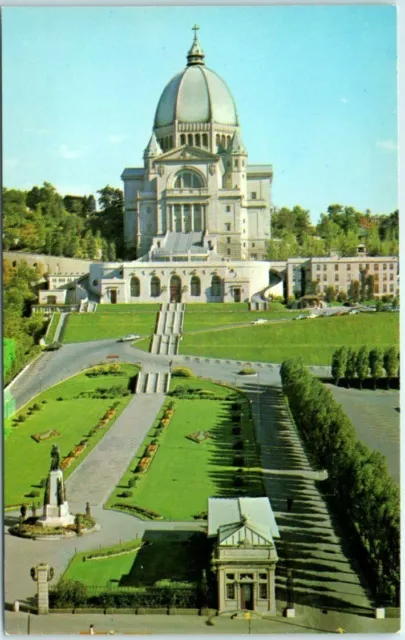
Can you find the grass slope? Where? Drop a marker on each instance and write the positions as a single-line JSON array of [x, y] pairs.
[[52, 329], [161, 560], [184, 474], [26, 462], [313, 340], [82, 327]]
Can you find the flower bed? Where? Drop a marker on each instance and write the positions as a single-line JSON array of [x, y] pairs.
[[66, 462], [45, 435], [147, 513]]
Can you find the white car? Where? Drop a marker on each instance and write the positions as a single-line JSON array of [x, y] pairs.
[[301, 317], [259, 321], [128, 338]]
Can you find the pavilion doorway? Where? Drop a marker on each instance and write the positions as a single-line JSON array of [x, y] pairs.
[[246, 596], [236, 294], [113, 296], [175, 289]]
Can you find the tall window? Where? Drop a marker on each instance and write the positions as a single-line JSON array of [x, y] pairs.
[[216, 286], [155, 287], [230, 591], [205, 140], [188, 180], [177, 217], [190, 139], [195, 288], [197, 140], [182, 139], [197, 218], [135, 287], [187, 217]]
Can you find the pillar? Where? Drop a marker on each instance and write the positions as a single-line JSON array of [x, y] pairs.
[[42, 588], [192, 217]]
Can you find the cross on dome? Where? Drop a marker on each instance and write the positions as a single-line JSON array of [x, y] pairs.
[[196, 54]]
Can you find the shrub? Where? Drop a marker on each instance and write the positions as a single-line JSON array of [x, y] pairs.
[[60, 399], [247, 371], [42, 483], [34, 493], [22, 418], [44, 401], [182, 372], [126, 494], [36, 407], [83, 442], [238, 461], [131, 482]]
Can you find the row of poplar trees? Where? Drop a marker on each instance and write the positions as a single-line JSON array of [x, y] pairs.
[[365, 363], [365, 494]]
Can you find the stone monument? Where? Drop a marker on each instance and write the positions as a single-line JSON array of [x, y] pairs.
[[42, 574], [56, 509]]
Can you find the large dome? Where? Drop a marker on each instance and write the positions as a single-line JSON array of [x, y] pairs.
[[197, 94]]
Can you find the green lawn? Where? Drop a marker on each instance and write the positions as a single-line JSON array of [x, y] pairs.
[[82, 327], [159, 560], [26, 461], [313, 340], [184, 474], [128, 308], [52, 329], [207, 316]]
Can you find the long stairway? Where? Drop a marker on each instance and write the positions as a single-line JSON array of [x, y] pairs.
[[169, 327]]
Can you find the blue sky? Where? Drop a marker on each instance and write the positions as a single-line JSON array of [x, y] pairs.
[[315, 88]]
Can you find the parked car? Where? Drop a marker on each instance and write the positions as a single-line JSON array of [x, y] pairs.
[[301, 317], [129, 338], [352, 312], [259, 321], [313, 315]]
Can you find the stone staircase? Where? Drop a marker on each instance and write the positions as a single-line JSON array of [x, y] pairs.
[[169, 327], [153, 382]]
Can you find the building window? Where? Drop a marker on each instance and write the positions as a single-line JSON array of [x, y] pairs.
[[348, 267], [195, 286], [228, 241], [253, 195], [391, 288], [190, 139], [95, 283], [367, 267], [246, 576], [244, 245], [228, 252], [360, 267], [135, 287], [228, 208], [324, 267], [182, 139], [216, 286], [318, 267], [376, 267], [205, 140], [263, 591], [391, 276], [230, 591], [385, 266], [230, 576], [376, 288], [155, 287], [197, 140], [336, 277], [325, 277], [391, 265], [188, 180], [254, 256], [336, 267], [253, 245], [385, 277], [318, 278], [236, 164], [227, 226], [51, 299], [384, 288]]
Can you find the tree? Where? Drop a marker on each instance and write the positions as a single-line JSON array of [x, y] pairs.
[[350, 371], [376, 365], [354, 291], [391, 364], [369, 287], [362, 365], [339, 360], [330, 293]]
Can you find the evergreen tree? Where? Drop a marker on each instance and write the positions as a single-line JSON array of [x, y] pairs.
[[362, 365], [339, 360], [376, 365], [350, 371], [391, 364]]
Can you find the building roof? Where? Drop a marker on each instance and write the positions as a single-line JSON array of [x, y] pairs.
[[225, 514], [196, 94]]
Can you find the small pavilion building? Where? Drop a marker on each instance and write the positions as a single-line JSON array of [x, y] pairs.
[[245, 554]]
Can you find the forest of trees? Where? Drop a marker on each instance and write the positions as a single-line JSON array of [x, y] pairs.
[[18, 325], [341, 228], [42, 221], [363, 491]]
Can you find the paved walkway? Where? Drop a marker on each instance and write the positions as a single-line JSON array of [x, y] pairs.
[[100, 472], [17, 623]]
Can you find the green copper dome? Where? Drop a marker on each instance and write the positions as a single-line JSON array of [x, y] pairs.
[[197, 94]]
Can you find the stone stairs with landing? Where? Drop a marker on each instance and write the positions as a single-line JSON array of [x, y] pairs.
[[153, 382]]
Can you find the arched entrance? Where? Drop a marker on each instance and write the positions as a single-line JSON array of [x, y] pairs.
[[175, 289]]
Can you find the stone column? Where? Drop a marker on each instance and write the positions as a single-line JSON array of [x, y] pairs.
[[42, 574]]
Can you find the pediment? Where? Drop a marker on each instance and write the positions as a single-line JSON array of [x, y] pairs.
[[188, 154]]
